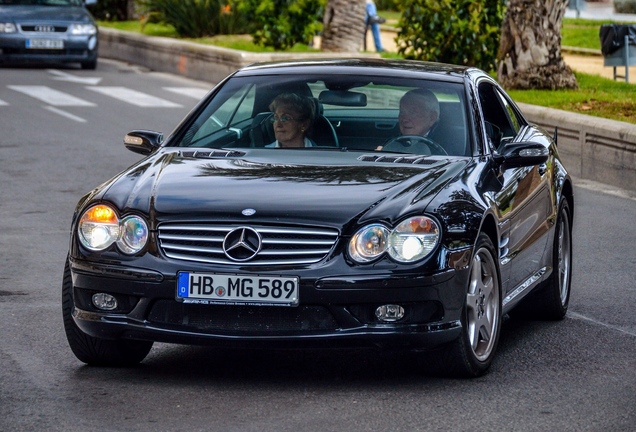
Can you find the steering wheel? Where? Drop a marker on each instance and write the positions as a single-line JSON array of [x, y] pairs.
[[413, 144]]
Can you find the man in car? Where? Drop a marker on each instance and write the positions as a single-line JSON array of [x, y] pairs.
[[419, 112]]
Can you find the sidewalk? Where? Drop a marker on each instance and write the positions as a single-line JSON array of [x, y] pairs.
[[599, 11], [590, 64]]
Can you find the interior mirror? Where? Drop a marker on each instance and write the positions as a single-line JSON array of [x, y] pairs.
[[343, 98]]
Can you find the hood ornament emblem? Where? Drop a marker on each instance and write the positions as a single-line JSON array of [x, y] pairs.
[[248, 212]]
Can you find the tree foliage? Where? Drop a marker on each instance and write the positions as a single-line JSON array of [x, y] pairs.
[[110, 10], [281, 24], [196, 18], [464, 32]]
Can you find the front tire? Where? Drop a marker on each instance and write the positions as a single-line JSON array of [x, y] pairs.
[[95, 351], [89, 65], [551, 300], [473, 352]]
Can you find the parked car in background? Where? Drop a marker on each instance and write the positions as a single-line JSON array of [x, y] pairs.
[[48, 31], [362, 236]]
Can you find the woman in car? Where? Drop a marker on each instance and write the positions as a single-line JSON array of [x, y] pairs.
[[292, 120]]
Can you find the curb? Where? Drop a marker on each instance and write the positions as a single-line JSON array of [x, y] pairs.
[[592, 148]]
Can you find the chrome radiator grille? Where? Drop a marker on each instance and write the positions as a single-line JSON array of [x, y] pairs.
[[279, 244]]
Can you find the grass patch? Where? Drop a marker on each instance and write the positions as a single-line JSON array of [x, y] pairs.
[[583, 33], [596, 96], [244, 43], [236, 42], [150, 29]]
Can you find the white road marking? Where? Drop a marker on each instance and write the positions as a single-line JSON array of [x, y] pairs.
[[3, 103], [193, 92], [604, 188], [64, 76], [592, 320], [65, 114], [134, 97], [51, 96]]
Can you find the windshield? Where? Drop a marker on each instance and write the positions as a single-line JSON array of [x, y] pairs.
[[42, 2], [357, 113]]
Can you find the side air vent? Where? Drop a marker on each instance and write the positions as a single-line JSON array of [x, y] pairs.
[[212, 153], [414, 160]]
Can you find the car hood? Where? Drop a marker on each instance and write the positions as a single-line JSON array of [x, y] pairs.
[[171, 187], [44, 14]]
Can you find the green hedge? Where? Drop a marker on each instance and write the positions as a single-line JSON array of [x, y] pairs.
[[280, 24], [451, 31]]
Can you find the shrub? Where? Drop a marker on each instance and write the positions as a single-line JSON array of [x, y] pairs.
[[281, 24], [110, 10], [196, 18], [625, 6], [392, 5], [464, 32]]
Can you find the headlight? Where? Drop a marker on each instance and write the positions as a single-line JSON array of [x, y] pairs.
[[368, 243], [7, 27], [100, 227], [83, 29], [133, 235], [411, 240]]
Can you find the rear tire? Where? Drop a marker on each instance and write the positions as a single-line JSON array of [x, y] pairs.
[[473, 352], [95, 351]]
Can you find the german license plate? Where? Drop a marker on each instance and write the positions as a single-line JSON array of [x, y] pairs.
[[214, 288], [45, 44]]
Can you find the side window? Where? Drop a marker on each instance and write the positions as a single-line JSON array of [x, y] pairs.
[[512, 115], [234, 110], [499, 126]]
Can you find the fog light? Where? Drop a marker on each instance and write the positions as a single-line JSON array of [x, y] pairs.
[[389, 313], [104, 301]]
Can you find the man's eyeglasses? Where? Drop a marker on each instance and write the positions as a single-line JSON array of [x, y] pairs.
[[282, 119]]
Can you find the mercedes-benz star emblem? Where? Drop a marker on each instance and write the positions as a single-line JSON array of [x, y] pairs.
[[242, 244]]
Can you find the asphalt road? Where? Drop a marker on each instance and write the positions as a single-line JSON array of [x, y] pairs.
[[575, 375]]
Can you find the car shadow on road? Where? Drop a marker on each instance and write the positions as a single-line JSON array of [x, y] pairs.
[[225, 367]]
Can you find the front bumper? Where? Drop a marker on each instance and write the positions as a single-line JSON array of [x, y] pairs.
[[76, 49], [334, 312]]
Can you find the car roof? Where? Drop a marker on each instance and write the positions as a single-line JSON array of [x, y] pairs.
[[360, 67]]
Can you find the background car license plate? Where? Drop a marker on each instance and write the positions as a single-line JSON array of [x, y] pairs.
[[237, 289], [45, 44]]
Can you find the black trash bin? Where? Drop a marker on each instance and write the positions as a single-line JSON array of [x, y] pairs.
[[618, 45]]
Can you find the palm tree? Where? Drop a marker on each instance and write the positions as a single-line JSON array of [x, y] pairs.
[[530, 47], [343, 25]]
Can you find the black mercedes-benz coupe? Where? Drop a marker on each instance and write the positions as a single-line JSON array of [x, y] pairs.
[[372, 232]]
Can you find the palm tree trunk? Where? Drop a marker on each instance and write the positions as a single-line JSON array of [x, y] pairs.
[[530, 47], [343, 26]]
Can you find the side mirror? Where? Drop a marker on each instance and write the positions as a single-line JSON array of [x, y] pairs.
[[522, 154], [142, 141]]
